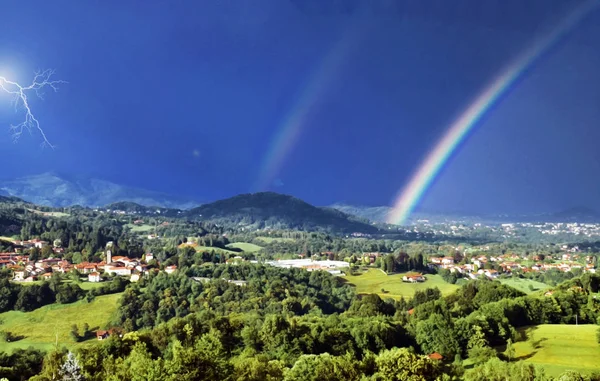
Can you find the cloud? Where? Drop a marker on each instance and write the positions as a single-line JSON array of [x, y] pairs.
[[196, 153], [277, 183]]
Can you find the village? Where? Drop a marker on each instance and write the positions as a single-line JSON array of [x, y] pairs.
[[26, 270], [467, 266], [493, 266]]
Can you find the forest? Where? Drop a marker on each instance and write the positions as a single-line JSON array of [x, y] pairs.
[[284, 324]]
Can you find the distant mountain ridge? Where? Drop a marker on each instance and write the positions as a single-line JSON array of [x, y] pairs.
[[380, 213], [278, 211], [51, 189]]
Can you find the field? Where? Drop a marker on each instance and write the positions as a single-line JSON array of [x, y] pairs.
[[372, 281], [140, 228], [84, 285], [49, 214], [3, 238], [43, 327], [558, 348], [275, 239], [523, 284], [215, 249], [244, 246]]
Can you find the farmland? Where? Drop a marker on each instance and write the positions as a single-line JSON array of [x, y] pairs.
[[374, 280]]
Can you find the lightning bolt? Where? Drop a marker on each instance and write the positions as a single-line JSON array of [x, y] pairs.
[[41, 80]]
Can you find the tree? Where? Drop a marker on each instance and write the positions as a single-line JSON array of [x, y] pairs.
[[401, 364], [510, 350], [70, 370], [497, 370], [437, 334], [323, 367]]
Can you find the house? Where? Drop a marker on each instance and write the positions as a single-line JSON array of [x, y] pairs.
[[413, 278], [38, 243], [170, 269], [20, 275], [436, 260], [46, 276], [149, 257], [436, 356], [94, 277], [447, 261], [134, 278], [101, 334], [492, 274], [117, 270]]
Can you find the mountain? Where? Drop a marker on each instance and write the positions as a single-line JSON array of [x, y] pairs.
[[278, 211], [51, 189], [371, 213]]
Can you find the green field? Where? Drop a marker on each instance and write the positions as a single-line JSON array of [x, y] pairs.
[[140, 228], [3, 238], [215, 249], [244, 246], [49, 214], [90, 285], [523, 284], [372, 281], [275, 239], [40, 328], [558, 348]]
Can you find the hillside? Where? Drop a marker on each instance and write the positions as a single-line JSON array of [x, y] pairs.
[[132, 207], [51, 189], [371, 213], [278, 211]]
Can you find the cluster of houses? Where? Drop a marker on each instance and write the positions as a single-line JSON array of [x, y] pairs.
[[25, 270], [508, 263]]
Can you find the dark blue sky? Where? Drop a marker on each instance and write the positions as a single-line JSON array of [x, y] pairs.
[[186, 97]]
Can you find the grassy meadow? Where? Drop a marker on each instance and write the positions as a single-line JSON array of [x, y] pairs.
[[140, 228], [523, 284], [275, 239], [558, 348], [39, 328], [49, 214], [244, 246], [373, 280]]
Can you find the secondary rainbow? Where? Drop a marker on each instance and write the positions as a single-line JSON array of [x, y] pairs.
[[413, 192], [287, 135]]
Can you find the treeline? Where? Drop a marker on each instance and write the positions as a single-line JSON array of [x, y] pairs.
[[14, 296], [269, 289], [216, 330]]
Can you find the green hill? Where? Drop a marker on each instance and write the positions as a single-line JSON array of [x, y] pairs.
[[558, 348], [45, 326], [278, 211]]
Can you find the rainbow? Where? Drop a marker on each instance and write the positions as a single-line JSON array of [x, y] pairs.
[[413, 192], [287, 135]]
